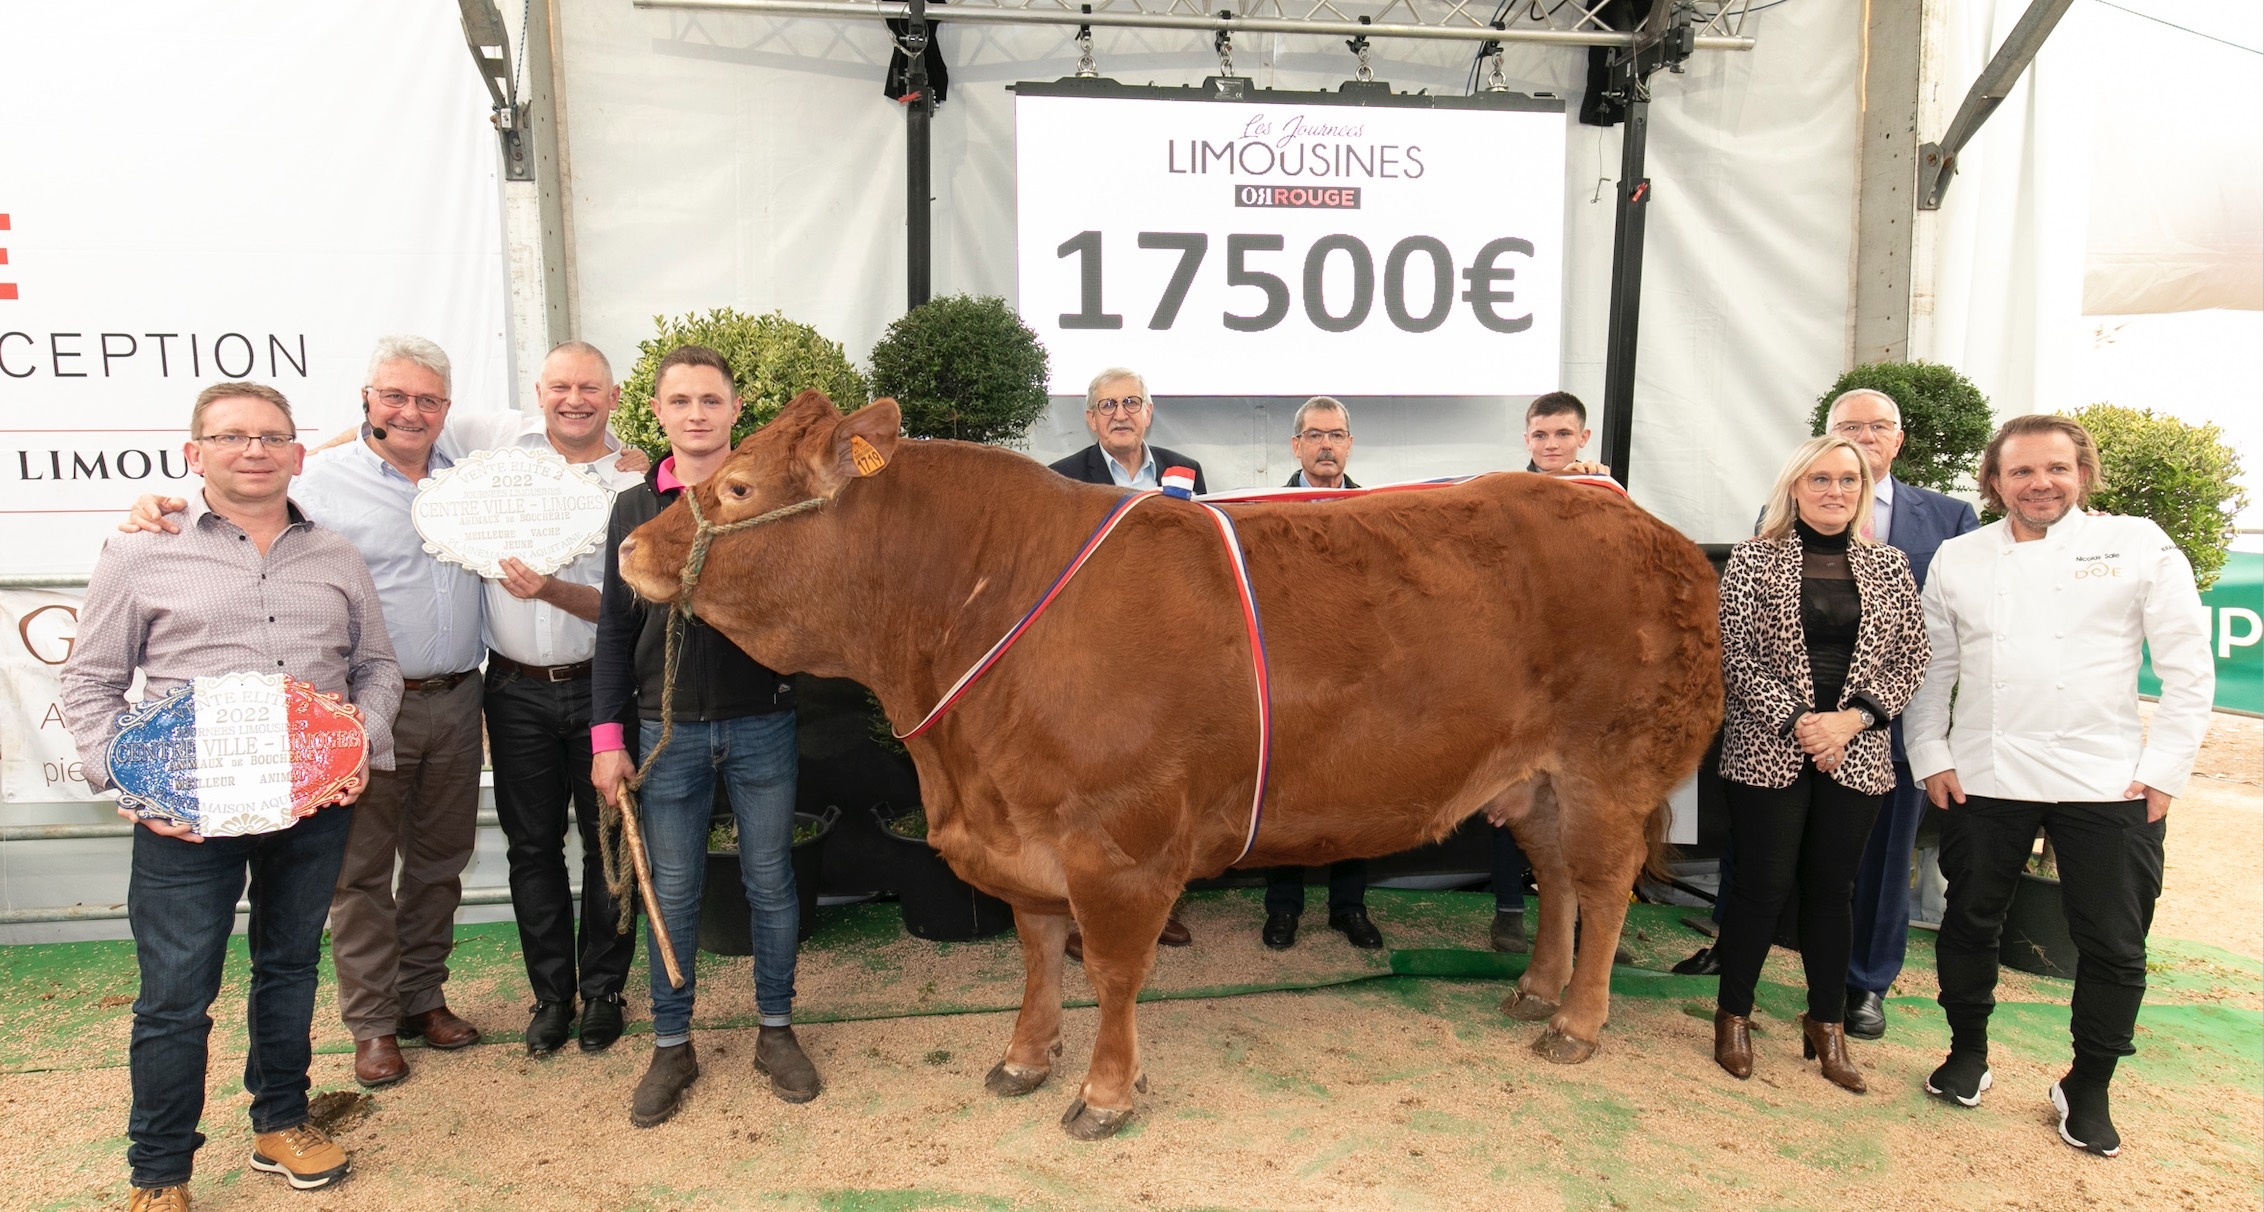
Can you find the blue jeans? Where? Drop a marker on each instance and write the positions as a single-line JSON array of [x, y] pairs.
[[181, 903], [1882, 888], [755, 756]]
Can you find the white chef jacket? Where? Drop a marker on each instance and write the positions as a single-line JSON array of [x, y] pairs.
[[2040, 642], [527, 631]]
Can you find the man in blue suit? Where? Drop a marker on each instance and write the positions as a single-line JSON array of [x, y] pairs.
[[1917, 521]]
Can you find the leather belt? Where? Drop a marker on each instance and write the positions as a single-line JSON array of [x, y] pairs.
[[541, 673], [445, 681]]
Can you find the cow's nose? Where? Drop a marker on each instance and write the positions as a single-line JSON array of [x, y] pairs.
[[628, 548]]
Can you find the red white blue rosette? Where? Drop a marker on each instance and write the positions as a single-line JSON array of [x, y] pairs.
[[237, 754], [1179, 482]]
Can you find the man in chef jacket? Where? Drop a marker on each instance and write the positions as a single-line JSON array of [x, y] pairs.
[[2036, 622]]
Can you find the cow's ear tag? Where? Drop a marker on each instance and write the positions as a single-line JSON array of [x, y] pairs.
[[867, 458]]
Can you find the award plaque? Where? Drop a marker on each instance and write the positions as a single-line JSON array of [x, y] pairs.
[[516, 503], [237, 754]]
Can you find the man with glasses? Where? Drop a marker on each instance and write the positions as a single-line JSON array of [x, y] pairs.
[[388, 941], [246, 583], [1119, 411], [1917, 521], [1321, 438]]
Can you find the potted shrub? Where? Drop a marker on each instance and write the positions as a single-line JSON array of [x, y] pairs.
[[1945, 419], [2182, 477], [964, 367], [937, 904], [773, 359], [724, 925]]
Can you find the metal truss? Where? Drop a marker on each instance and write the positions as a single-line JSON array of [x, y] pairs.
[[1716, 24]]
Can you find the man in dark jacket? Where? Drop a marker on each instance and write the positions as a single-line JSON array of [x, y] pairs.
[[1119, 411], [1321, 438], [734, 721]]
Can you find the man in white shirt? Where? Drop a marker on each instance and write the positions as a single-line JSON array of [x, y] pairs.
[[541, 632], [2036, 623]]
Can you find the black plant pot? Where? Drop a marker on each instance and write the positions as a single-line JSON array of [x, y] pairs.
[[937, 904], [2036, 937], [724, 925]]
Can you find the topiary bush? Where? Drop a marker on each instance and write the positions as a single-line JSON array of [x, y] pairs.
[[2183, 477], [963, 366], [773, 359], [1945, 418]]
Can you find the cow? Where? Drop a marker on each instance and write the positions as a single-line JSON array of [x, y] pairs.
[[1542, 651]]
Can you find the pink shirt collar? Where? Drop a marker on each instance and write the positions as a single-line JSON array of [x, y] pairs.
[[665, 479]]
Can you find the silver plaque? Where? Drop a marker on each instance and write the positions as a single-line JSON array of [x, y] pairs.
[[528, 505]]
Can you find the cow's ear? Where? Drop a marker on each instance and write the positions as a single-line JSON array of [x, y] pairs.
[[863, 444]]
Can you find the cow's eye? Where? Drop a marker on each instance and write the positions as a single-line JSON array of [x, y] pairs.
[[739, 490]]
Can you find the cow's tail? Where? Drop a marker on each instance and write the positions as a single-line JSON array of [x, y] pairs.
[[1657, 854]]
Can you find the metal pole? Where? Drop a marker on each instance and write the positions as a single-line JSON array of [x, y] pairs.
[[916, 119], [1627, 285]]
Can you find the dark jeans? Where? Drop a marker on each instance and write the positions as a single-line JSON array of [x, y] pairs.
[[1882, 888], [2110, 874], [538, 734], [1510, 869], [1348, 887], [1808, 836], [756, 759], [181, 903]]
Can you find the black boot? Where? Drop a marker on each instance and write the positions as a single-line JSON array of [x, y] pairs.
[[779, 1054], [1280, 932], [1508, 933], [661, 1091], [2081, 1100], [601, 1022], [547, 1029]]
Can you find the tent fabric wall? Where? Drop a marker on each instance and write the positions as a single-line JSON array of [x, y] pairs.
[[726, 159]]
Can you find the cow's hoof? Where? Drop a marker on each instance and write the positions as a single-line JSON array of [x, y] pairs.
[[1562, 1049], [1527, 1007], [1014, 1081], [1093, 1123]]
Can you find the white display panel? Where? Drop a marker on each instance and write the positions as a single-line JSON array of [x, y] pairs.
[[1288, 246]]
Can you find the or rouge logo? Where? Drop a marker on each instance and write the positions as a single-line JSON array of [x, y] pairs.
[[1321, 197], [7, 289]]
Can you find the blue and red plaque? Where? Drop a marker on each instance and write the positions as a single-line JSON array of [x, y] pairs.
[[237, 754]]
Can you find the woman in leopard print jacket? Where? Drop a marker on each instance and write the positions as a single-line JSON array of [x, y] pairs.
[[1823, 643]]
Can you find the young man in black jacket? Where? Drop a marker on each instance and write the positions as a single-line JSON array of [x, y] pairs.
[[734, 720]]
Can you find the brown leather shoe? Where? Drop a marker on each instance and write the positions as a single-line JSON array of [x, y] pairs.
[[440, 1029], [1175, 932], [1733, 1044], [377, 1062], [159, 1199], [1828, 1042]]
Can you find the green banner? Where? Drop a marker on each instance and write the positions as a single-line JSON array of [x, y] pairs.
[[2236, 625]]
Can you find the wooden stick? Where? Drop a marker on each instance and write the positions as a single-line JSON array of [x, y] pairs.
[[634, 836]]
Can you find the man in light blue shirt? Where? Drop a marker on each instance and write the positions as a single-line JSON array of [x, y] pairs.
[[391, 943]]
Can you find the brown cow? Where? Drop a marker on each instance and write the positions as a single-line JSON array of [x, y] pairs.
[[1434, 654]]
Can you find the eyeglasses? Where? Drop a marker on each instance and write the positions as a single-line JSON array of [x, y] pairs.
[[1856, 429], [1824, 483], [398, 399], [1130, 406], [1324, 435], [238, 441]]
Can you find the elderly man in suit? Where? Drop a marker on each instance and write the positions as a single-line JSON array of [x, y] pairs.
[[1916, 521], [1119, 411]]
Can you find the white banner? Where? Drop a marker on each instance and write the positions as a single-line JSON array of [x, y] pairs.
[[264, 189], [39, 763], [1293, 246]]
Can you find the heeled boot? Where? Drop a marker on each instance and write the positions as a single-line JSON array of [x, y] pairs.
[[1827, 1042], [1733, 1044]]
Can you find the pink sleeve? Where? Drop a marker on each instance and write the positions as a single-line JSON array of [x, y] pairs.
[[606, 736]]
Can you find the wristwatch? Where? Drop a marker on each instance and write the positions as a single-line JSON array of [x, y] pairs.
[[1869, 721]]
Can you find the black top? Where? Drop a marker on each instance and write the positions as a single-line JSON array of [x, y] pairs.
[[715, 680], [1090, 465], [1830, 611]]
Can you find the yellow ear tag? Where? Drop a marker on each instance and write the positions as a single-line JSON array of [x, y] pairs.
[[863, 454]]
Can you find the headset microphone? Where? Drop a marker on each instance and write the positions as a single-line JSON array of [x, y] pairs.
[[375, 430]]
